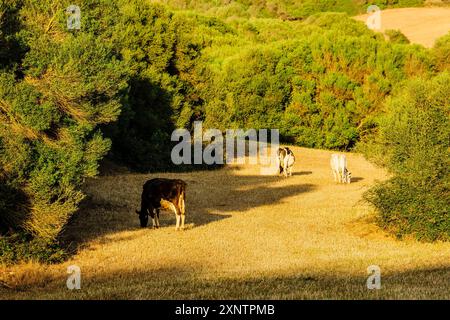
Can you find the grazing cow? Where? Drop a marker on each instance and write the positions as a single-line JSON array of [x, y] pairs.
[[165, 193], [338, 164], [286, 160]]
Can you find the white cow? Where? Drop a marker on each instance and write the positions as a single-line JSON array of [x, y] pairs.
[[286, 160], [338, 164]]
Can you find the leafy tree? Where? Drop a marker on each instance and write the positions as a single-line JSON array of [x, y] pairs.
[[322, 88], [413, 142], [49, 120]]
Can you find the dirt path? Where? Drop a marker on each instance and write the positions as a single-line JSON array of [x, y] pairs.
[[419, 25], [249, 236]]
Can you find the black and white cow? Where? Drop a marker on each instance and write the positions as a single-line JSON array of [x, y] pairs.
[[286, 160], [162, 193]]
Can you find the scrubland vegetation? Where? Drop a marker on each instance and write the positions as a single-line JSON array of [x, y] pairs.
[[139, 69], [282, 9]]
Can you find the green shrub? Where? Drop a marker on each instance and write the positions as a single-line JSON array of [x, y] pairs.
[[396, 36], [284, 9], [21, 247], [153, 52], [11, 46], [50, 114], [441, 51], [321, 89], [413, 142]]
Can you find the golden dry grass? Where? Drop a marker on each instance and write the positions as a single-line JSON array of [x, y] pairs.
[[420, 25], [248, 236]]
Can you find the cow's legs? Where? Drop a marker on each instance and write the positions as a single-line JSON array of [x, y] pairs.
[[157, 218], [152, 214], [178, 221], [343, 177], [183, 218], [182, 208], [335, 175], [177, 216], [280, 168], [286, 166], [339, 176]]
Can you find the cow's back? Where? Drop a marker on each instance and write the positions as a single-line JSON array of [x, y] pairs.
[[334, 161], [281, 153], [338, 162], [164, 188]]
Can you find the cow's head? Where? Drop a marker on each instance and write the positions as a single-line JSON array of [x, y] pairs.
[[143, 217], [348, 177]]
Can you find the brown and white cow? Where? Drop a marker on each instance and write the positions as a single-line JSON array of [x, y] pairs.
[[162, 193]]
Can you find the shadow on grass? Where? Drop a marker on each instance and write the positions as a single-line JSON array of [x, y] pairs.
[[186, 282], [302, 173], [416, 284], [109, 168], [210, 197]]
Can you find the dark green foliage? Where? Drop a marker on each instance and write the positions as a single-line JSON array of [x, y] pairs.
[[20, 247], [322, 89], [413, 142], [50, 142], [441, 51], [11, 46], [146, 41], [160, 52], [396, 36], [250, 93]]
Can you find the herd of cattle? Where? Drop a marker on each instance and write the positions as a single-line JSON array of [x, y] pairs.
[[161, 193]]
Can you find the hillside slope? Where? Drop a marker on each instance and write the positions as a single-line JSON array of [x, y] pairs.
[[249, 236], [419, 25]]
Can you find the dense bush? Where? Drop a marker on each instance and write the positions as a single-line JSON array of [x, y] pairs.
[[20, 246], [159, 53], [413, 142], [51, 104], [396, 36], [284, 9], [441, 51], [11, 47], [322, 88]]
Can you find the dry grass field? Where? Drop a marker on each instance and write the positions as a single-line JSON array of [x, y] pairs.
[[248, 236], [419, 25]]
